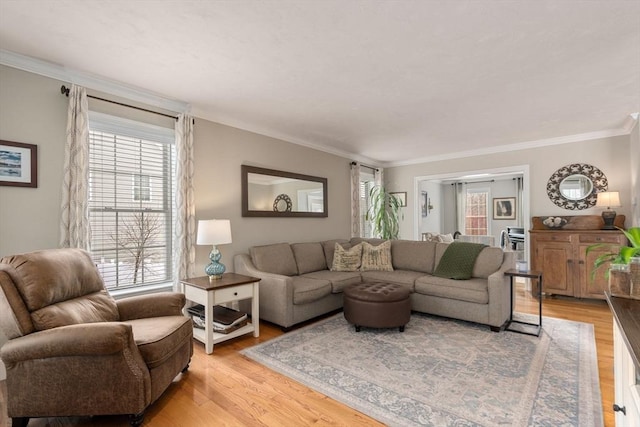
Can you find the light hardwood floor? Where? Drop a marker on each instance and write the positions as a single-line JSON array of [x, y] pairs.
[[227, 389]]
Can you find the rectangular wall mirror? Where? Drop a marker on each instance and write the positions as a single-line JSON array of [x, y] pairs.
[[273, 193]]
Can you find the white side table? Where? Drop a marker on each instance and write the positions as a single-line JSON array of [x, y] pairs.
[[231, 287]]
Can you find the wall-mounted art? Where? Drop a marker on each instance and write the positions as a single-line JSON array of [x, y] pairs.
[[402, 198], [18, 164], [504, 208]]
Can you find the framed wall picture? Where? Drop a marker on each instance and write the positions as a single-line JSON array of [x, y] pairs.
[[504, 208], [18, 164], [402, 198]]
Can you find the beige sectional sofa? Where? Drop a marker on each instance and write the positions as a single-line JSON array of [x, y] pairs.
[[297, 283]]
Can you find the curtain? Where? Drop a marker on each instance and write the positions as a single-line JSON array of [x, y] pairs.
[[184, 251], [378, 176], [519, 207], [355, 199], [460, 198], [75, 231]]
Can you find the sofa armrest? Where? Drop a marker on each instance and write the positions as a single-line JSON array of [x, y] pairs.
[[151, 305], [88, 339], [276, 292], [499, 292]]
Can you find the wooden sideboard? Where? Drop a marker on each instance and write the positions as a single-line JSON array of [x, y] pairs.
[[562, 257]]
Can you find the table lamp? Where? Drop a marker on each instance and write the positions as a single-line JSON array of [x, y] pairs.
[[214, 232], [608, 199]]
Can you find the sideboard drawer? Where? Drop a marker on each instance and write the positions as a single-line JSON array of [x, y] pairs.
[[600, 238], [553, 237]]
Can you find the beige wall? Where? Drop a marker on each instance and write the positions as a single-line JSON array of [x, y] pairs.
[[608, 154], [32, 111], [219, 152], [635, 174]]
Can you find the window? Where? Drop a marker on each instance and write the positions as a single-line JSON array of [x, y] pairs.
[[367, 182], [131, 225], [476, 212]]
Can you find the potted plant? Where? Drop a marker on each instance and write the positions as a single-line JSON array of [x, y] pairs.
[[617, 260], [384, 209]]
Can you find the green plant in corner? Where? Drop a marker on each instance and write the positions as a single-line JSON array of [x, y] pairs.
[[624, 254], [384, 210]]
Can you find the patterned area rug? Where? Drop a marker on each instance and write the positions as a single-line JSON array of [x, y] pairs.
[[442, 372]]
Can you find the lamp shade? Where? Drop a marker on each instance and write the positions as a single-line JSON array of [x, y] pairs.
[[608, 199], [214, 232]]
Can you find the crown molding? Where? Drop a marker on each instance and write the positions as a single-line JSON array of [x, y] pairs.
[[608, 133], [238, 124], [89, 81]]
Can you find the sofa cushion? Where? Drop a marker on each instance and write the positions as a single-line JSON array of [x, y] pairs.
[[370, 240], [158, 338], [347, 259], [488, 262], [376, 258], [277, 259], [309, 257], [306, 290], [339, 279], [472, 290], [401, 277], [96, 307], [412, 255], [329, 247]]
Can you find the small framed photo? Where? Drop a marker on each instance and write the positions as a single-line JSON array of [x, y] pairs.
[[504, 208], [402, 198], [18, 164]]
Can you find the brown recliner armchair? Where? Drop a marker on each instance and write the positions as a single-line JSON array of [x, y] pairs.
[[75, 351]]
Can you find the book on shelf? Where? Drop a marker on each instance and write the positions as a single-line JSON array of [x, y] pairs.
[[225, 319]]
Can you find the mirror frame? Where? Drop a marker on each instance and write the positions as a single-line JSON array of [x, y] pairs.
[[246, 170], [598, 180]]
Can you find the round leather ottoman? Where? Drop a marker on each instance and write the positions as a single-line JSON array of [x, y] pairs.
[[377, 305]]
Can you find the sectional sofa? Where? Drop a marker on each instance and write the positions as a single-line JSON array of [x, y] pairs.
[[297, 283]]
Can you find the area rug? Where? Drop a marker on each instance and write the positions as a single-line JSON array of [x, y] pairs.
[[442, 372]]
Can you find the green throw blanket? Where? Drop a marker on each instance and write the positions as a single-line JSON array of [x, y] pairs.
[[458, 260]]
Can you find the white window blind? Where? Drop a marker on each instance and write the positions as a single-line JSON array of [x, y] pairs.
[[131, 186]]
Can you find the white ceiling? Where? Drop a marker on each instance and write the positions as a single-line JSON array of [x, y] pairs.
[[388, 81]]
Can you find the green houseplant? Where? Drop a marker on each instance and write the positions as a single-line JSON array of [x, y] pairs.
[[384, 210], [624, 254]]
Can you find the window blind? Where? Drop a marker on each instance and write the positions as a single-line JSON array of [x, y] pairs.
[[131, 187]]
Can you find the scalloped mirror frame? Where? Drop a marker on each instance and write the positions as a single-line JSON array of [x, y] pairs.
[[596, 176]]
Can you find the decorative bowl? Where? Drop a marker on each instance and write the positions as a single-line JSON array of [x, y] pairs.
[[555, 222]]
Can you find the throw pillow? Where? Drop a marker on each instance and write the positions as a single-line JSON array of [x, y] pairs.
[[347, 259], [376, 258]]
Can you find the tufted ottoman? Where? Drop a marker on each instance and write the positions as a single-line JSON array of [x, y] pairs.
[[377, 305]]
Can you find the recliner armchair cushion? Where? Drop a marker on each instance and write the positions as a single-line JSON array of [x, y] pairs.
[[96, 307], [158, 338], [48, 277]]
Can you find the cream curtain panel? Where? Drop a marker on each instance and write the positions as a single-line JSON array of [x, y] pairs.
[[74, 226], [355, 199], [185, 222]]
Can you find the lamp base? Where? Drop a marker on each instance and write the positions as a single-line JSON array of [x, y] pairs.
[[608, 217], [216, 269]]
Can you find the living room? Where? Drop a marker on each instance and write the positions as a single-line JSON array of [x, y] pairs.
[[33, 111]]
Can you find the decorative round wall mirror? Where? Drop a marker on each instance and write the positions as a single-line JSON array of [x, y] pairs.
[[282, 203], [575, 186]]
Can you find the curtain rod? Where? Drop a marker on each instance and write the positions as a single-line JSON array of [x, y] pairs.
[[65, 91], [472, 182], [366, 166]]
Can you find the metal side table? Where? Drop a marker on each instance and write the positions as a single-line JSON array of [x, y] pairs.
[[517, 325]]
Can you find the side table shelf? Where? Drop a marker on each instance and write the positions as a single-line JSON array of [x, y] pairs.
[[230, 288], [518, 326]]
